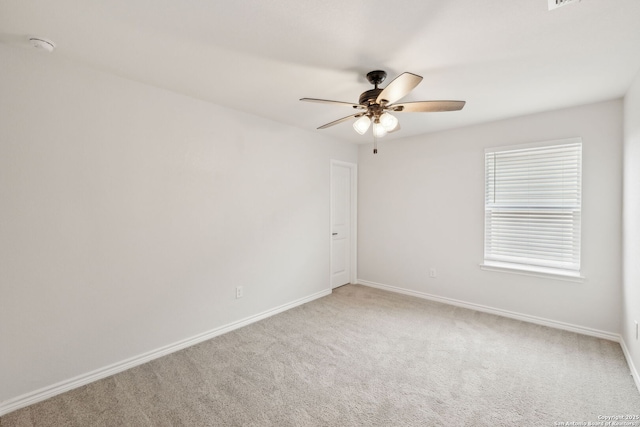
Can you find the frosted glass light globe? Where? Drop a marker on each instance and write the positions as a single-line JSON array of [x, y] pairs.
[[388, 121], [378, 130], [362, 124]]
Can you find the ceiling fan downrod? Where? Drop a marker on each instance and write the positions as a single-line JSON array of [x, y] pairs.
[[376, 77]]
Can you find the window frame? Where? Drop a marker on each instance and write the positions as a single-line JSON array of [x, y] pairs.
[[533, 269]]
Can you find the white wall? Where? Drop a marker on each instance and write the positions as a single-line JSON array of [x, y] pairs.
[[631, 215], [129, 214], [421, 205]]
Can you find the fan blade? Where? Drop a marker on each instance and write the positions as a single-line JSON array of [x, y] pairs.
[[427, 106], [399, 87], [335, 122], [327, 101]]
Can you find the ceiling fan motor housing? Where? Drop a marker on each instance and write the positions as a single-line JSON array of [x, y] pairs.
[[369, 97]]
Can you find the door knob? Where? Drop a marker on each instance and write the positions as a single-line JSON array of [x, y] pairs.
[[334, 234]]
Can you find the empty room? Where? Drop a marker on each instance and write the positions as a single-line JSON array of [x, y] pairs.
[[336, 213]]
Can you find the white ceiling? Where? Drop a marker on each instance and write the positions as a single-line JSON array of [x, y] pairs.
[[504, 57]]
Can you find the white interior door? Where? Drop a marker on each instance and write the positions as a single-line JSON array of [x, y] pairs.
[[343, 179]]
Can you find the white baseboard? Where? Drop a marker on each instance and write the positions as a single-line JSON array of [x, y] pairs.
[[632, 367], [66, 385], [499, 312]]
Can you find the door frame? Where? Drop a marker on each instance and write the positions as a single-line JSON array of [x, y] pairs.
[[353, 220]]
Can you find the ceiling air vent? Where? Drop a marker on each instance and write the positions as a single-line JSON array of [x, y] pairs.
[[554, 4]]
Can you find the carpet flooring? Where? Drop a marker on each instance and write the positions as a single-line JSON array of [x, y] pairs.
[[363, 357]]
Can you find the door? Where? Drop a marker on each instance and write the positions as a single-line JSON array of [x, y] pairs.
[[343, 187]]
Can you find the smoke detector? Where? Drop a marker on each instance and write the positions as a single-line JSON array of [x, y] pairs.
[[554, 4], [42, 44]]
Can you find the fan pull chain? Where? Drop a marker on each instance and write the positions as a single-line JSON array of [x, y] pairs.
[[375, 145]]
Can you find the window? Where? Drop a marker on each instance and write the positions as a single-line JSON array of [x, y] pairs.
[[533, 207]]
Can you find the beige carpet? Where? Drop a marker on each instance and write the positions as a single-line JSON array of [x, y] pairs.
[[362, 357]]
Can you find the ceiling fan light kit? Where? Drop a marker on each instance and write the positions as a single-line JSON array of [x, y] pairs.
[[375, 104]]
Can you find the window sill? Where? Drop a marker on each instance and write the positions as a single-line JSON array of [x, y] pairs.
[[547, 273]]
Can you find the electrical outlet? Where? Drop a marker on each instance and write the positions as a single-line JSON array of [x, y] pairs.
[[433, 273], [239, 292]]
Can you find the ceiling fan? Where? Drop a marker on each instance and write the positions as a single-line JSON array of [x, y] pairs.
[[376, 104]]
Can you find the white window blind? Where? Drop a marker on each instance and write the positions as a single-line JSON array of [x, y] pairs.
[[533, 206]]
